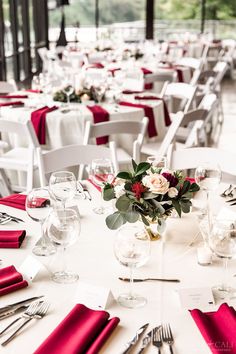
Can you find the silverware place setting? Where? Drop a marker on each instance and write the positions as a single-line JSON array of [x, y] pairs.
[[167, 336], [134, 340], [83, 191], [137, 280], [14, 308], [148, 339], [5, 218]]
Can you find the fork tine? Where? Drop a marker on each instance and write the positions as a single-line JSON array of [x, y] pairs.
[[170, 332]]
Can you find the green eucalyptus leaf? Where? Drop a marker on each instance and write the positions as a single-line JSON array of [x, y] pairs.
[[149, 195], [185, 206], [144, 220], [177, 206], [108, 193], [131, 216], [123, 203], [115, 220]]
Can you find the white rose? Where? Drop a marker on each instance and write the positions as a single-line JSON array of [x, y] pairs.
[[156, 183], [172, 192], [119, 190], [118, 181]]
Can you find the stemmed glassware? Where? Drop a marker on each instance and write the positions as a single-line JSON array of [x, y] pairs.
[[132, 249], [101, 172], [62, 186], [68, 87], [38, 206], [99, 89], [157, 161], [63, 226], [222, 241], [208, 176]]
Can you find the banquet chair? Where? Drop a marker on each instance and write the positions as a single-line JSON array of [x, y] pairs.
[[18, 158], [119, 127], [72, 155], [184, 93], [193, 63], [7, 86], [159, 148], [159, 81]]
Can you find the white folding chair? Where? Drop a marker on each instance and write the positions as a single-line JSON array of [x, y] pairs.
[[193, 63], [72, 155], [185, 93], [18, 158], [119, 127], [7, 86]]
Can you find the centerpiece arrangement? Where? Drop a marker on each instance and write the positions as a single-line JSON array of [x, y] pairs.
[[77, 96], [149, 194]]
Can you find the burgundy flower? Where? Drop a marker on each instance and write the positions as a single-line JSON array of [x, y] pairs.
[[171, 179], [138, 189]]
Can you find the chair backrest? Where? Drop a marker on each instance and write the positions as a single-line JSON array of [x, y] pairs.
[[220, 69], [118, 127], [7, 87], [160, 77], [25, 129], [191, 158], [183, 91], [72, 155], [193, 63]]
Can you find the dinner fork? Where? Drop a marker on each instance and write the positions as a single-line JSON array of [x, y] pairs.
[[39, 313], [167, 336], [157, 340], [225, 193]]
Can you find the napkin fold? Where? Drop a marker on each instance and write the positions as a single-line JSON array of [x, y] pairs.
[[218, 328], [96, 66], [82, 331], [13, 96], [38, 118], [11, 238], [99, 115], [114, 70], [148, 111], [13, 103], [15, 201], [146, 72], [166, 111], [11, 280]]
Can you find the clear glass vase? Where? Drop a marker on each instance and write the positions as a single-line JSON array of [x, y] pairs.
[[156, 229]]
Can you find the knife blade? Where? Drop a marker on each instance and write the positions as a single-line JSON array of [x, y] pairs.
[[13, 312], [14, 218], [18, 304], [85, 191], [231, 200], [136, 280], [135, 339], [147, 339]]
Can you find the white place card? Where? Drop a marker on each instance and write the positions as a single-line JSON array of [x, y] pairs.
[[192, 298], [30, 268], [93, 296]]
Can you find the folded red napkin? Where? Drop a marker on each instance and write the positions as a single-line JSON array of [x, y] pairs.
[[100, 115], [34, 91], [190, 179], [130, 92], [96, 66], [11, 280], [145, 72], [114, 70], [13, 96], [15, 201], [166, 111], [11, 238], [38, 119], [13, 103], [148, 111], [82, 331], [218, 328]]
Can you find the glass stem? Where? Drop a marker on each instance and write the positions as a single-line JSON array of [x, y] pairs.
[[68, 100], [43, 243], [225, 275], [209, 212], [131, 284], [63, 259]]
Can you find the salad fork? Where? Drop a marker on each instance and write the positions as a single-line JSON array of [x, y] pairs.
[[167, 336], [157, 340], [40, 312], [227, 191]]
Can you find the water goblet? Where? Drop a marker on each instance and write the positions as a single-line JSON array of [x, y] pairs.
[[101, 172], [62, 185], [68, 87], [132, 249], [157, 161], [63, 227], [38, 206]]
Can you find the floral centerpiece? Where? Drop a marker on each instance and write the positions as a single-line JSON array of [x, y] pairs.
[[149, 194], [77, 96]]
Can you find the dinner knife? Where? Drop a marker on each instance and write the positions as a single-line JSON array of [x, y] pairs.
[[17, 305], [14, 218], [135, 339], [136, 280], [85, 191], [147, 339]]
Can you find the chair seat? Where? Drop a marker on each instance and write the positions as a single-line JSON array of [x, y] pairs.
[[122, 156], [151, 148], [17, 158]]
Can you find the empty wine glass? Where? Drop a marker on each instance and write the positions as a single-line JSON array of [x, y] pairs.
[[208, 176], [222, 241], [38, 206], [63, 226], [62, 186], [68, 87], [99, 90], [156, 161], [132, 249], [101, 172]]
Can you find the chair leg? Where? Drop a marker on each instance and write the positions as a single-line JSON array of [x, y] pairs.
[[5, 188]]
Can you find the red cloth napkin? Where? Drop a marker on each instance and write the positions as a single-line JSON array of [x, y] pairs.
[[190, 179], [13, 96], [13, 103], [82, 331], [11, 280], [145, 72], [34, 91], [148, 113], [114, 70], [130, 92], [100, 115], [218, 328], [11, 238], [15, 201], [96, 66], [38, 119], [166, 112], [178, 70]]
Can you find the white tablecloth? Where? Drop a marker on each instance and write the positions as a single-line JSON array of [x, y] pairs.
[[92, 257]]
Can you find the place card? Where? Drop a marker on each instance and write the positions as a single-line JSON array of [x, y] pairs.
[[93, 296], [192, 298], [30, 268]]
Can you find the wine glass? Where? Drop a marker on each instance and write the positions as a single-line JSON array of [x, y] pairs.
[[101, 172], [99, 90], [68, 87], [222, 241], [62, 185], [208, 176], [156, 161], [38, 206], [63, 226], [132, 249]]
